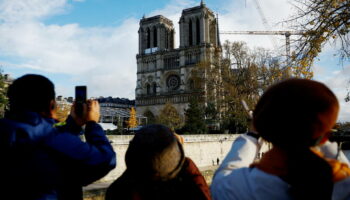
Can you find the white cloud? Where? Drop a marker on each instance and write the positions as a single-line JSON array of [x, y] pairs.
[[23, 10], [104, 57], [101, 57], [338, 82], [243, 16]]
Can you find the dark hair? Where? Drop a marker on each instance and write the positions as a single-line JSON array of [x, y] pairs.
[[287, 115], [31, 92]]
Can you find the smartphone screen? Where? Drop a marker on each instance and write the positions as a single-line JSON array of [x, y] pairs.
[[80, 99]]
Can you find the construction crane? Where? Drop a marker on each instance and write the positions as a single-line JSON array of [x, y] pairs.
[[287, 34], [265, 23]]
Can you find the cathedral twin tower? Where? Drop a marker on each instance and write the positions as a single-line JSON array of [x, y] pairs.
[[163, 71]]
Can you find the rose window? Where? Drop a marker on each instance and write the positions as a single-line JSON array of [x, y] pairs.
[[173, 82]]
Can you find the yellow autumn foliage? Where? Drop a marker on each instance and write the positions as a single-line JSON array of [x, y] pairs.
[[132, 122]]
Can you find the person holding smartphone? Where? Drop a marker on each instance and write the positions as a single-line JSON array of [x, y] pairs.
[[40, 160]]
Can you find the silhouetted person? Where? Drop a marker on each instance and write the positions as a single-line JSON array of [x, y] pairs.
[[156, 168], [296, 116], [217, 161], [40, 160]]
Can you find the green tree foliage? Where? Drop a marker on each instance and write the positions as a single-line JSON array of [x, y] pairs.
[[170, 117], [321, 21], [210, 111], [62, 112], [119, 122], [151, 119], [195, 118], [3, 93]]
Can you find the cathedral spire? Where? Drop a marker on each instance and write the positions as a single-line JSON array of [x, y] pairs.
[[202, 3]]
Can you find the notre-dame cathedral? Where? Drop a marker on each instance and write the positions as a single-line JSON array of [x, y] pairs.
[[163, 71]]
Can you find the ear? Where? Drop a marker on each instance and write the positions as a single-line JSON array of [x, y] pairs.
[[53, 105], [52, 111]]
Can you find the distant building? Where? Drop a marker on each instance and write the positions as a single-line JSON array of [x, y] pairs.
[[116, 110], [163, 71], [70, 99]]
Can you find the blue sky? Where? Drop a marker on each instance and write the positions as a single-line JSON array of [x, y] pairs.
[[94, 42]]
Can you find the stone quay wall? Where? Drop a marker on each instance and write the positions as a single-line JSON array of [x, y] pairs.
[[204, 150]]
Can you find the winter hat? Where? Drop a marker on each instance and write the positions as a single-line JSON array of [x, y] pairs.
[[154, 153]]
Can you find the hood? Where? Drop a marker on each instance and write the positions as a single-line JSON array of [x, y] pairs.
[[249, 183], [24, 129]]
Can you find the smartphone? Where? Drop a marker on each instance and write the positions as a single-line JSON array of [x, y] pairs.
[[80, 99]]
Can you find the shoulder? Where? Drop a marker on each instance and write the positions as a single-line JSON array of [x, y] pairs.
[[121, 188], [27, 132], [246, 183], [341, 189]]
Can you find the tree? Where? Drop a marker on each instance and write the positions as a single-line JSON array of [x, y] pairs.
[[246, 74], [210, 111], [170, 117], [132, 122], [321, 21], [242, 74], [120, 124], [3, 93], [195, 118], [62, 111], [151, 119]]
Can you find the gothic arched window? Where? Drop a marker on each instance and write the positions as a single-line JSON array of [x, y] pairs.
[[198, 35], [148, 89], [154, 88], [155, 37], [190, 32], [148, 32]]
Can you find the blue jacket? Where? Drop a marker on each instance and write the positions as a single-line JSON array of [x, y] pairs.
[[40, 161]]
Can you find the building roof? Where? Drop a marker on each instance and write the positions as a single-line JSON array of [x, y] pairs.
[[198, 8], [157, 18], [116, 100]]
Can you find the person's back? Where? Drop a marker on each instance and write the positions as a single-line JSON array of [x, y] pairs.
[[157, 169], [41, 161], [296, 116]]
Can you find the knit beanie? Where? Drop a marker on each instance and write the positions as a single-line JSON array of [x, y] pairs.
[[154, 153]]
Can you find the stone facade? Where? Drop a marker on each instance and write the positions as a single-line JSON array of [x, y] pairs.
[[163, 71]]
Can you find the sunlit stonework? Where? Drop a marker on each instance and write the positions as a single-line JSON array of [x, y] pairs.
[[163, 71]]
